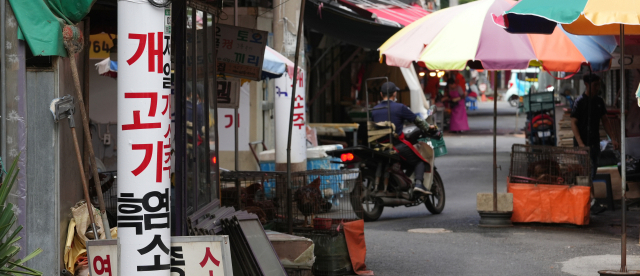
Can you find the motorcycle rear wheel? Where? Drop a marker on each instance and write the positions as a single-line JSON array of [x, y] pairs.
[[365, 205], [514, 100], [435, 201]]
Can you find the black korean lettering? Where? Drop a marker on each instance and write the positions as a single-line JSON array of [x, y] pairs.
[[150, 224], [163, 201], [157, 266], [129, 205], [177, 259]]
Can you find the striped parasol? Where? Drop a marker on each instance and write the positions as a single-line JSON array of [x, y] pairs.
[[453, 38]]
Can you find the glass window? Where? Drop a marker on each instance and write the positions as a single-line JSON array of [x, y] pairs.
[[200, 187]]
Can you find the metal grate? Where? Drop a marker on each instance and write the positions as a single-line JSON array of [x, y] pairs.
[[109, 194], [550, 165], [323, 195], [258, 194]]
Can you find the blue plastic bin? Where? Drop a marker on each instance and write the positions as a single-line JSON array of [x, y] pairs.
[[317, 159]]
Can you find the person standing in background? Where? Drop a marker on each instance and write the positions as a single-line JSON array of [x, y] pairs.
[[460, 81], [587, 113], [456, 99]]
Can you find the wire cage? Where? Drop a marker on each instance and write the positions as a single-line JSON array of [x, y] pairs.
[[550, 165], [258, 194], [109, 183], [321, 199]]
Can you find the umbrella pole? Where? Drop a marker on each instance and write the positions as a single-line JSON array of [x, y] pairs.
[[293, 100], [623, 263], [495, 161]]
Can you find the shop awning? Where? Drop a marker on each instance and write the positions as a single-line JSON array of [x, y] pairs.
[[41, 22], [346, 25], [275, 64], [404, 16]]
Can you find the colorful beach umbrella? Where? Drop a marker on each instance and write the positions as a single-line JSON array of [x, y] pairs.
[[586, 17], [453, 38], [582, 17]]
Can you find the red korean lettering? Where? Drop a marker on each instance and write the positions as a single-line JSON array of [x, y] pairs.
[[160, 152], [227, 43], [136, 113], [298, 117], [299, 98], [101, 265], [168, 132], [166, 106], [300, 126], [141, 45], [155, 52], [148, 151], [230, 120], [209, 257]]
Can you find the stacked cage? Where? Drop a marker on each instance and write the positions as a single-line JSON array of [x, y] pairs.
[[321, 199], [257, 190], [550, 165]]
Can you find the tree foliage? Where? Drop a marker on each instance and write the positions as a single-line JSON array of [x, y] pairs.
[[8, 218]]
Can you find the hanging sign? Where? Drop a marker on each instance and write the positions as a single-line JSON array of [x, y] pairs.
[[201, 255], [630, 62], [101, 45], [240, 51], [144, 140], [228, 93]]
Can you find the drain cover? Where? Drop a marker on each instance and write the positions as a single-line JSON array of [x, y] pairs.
[[429, 230]]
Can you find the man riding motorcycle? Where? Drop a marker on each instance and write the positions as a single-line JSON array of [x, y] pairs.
[[400, 113]]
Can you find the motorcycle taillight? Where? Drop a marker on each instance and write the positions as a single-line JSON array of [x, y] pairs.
[[346, 157]]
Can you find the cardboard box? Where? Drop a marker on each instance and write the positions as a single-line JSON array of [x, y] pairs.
[[616, 181]]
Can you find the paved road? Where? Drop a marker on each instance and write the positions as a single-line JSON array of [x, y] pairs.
[[525, 249]]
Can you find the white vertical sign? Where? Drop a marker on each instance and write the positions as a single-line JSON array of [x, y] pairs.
[[282, 108], [226, 130], [144, 139]]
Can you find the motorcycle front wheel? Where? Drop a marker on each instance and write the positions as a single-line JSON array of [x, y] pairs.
[[435, 201], [365, 205]]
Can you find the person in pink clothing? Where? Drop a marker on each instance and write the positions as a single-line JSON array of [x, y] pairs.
[[455, 97]]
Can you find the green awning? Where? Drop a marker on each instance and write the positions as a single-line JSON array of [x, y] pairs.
[[41, 22]]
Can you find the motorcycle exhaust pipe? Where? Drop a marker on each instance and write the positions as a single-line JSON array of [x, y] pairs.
[[393, 202]]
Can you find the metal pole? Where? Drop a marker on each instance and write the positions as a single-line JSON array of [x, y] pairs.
[[293, 100], [235, 13], [235, 136], [3, 83], [215, 112], [495, 162], [623, 263], [195, 178], [179, 14], [205, 101]]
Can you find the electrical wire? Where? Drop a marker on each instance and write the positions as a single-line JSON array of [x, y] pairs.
[[271, 9], [158, 5]]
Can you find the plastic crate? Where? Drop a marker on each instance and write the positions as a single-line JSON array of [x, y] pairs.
[[438, 145], [539, 101]]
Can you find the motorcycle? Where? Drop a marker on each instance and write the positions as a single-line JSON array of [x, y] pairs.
[[387, 179]]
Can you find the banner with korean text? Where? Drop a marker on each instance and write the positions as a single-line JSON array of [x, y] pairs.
[[283, 96], [144, 139], [240, 51]]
